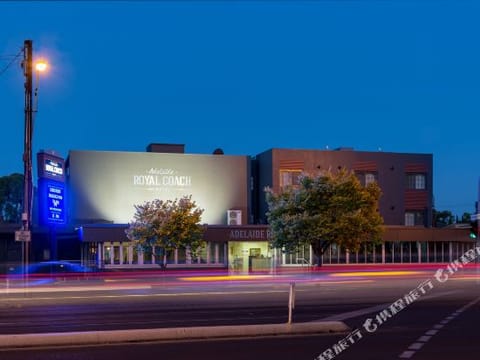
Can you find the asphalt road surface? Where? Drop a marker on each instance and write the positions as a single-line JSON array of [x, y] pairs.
[[414, 333], [439, 323]]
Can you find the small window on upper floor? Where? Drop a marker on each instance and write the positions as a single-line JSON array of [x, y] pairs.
[[290, 178], [414, 218], [366, 178], [416, 181], [369, 178]]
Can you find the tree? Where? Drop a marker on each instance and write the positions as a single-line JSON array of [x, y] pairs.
[[331, 208], [466, 218], [11, 198], [442, 218], [167, 225]]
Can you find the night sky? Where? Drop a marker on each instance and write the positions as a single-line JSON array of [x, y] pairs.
[[247, 76]]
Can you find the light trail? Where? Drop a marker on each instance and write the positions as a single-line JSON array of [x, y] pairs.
[[379, 273]]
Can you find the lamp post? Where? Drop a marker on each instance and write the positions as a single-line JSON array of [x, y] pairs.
[[27, 65], [27, 153]]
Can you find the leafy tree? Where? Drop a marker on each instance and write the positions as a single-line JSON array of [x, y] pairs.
[[11, 198], [167, 225], [442, 218], [331, 208], [466, 218]]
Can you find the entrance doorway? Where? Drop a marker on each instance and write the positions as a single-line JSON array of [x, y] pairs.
[[248, 256]]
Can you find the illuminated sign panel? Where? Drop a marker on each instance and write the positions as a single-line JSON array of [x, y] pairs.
[[52, 206], [50, 167], [53, 168], [106, 185]]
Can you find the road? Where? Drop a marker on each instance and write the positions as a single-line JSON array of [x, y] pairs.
[[146, 302], [441, 324]]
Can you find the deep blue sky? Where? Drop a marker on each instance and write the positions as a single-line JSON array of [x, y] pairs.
[[395, 76]]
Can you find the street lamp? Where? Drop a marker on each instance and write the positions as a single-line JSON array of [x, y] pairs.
[[41, 65]]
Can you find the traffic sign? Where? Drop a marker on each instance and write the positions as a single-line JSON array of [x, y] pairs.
[[23, 235]]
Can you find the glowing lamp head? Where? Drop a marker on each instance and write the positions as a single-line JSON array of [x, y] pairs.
[[41, 66]]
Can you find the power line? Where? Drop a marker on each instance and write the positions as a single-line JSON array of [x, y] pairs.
[[2, 71]]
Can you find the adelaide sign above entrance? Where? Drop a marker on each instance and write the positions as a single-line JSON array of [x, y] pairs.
[[250, 234], [220, 233]]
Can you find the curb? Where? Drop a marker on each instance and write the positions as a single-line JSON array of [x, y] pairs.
[[183, 333]]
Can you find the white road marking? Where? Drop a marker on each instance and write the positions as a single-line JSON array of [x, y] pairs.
[[407, 354], [416, 346], [424, 339], [355, 313]]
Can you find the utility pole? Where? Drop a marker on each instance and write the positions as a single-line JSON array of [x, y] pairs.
[[24, 235], [27, 154]]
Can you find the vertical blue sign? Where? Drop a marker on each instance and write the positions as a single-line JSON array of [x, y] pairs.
[[53, 204]]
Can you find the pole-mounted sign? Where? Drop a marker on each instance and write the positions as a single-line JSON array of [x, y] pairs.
[[51, 189]]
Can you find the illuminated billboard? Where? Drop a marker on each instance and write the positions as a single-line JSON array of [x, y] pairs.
[[52, 202], [50, 166], [104, 186]]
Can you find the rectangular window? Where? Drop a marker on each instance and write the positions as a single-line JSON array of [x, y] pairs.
[[409, 219], [202, 255], [116, 253], [369, 178], [135, 255], [414, 218], [290, 178], [182, 255], [416, 181], [125, 250], [221, 252], [366, 178], [107, 254], [171, 256], [147, 255]]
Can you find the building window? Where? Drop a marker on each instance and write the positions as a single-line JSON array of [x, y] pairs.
[[369, 178], [366, 178], [414, 218], [290, 178], [416, 181]]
